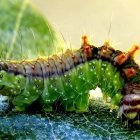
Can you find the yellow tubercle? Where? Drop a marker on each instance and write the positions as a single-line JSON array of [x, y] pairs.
[[107, 43]]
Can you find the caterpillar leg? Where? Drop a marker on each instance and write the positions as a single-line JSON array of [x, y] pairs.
[[130, 104], [31, 91], [22, 101], [47, 100], [68, 105], [51, 94], [58, 105], [47, 107], [82, 103]]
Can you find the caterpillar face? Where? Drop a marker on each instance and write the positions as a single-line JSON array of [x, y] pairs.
[[68, 77]]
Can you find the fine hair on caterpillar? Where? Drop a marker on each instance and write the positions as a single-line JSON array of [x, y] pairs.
[[67, 78]]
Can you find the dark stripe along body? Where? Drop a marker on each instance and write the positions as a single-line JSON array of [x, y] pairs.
[[67, 78]]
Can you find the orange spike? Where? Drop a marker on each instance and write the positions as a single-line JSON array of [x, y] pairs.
[[121, 58], [85, 40], [133, 51], [130, 72], [86, 47]]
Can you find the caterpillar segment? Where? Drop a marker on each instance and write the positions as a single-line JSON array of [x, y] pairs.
[[65, 79], [130, 104]]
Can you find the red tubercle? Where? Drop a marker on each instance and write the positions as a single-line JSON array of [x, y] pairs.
[[121, 58], [130, 72], [86, 47]]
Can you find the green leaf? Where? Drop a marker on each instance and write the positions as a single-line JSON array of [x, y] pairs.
[[24, 33]]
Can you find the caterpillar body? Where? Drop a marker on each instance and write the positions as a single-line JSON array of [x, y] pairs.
[[68, 77]]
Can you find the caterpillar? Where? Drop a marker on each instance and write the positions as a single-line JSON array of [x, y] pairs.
[[66, 79]]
